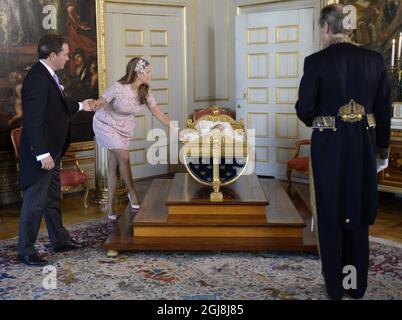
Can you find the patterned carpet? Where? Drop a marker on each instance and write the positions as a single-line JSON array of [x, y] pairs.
[[88, 274]]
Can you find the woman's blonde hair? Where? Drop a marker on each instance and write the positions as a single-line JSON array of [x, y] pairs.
[[132, 75]]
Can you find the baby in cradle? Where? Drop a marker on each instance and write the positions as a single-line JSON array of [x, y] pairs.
[[205, 127]]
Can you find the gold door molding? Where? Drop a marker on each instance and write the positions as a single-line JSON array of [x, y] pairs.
[[289, 101], [251, 30], [156, 92], [250, 56], [144, 156], [250, 99], [140, 119], [243, 4], [165, 67], [266, 160], [287, 149], [258, 115], [288, 75], [278, 125], [165, 38], [280, 28], [128, 31]]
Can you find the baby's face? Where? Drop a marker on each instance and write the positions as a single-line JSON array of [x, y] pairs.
[[220, 127]]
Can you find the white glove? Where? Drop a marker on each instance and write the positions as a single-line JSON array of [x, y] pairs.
[[382, 164]]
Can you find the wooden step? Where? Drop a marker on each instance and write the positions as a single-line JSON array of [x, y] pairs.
[[225, 210], [210, 244], [217, 219], [188, 202], [217, 231], [229, 214]]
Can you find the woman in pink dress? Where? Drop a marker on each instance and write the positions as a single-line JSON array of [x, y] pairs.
[[113, 124]]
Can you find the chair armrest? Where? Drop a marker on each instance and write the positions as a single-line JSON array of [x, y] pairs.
[[70, 155], [300, 143], [304, 142], [73, 155]]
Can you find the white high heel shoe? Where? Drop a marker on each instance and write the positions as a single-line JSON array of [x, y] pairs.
[[113, 216], [133, 206]]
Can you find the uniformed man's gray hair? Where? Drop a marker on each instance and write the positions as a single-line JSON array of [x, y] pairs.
[[334, 16]]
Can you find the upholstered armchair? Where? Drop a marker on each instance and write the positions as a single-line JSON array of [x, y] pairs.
[[69, 178], [299, 164]]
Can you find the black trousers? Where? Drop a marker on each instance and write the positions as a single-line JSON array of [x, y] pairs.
[[339, 248], [42, 198]]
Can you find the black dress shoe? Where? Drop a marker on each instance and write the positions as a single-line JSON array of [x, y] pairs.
[[32, 260], [79, 243], [335, 295], [67, 247], [356, 295]]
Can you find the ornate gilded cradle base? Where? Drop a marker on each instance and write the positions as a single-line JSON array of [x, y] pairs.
[[216, 159]]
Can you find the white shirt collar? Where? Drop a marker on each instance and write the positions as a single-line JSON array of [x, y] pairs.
[[52, 73]]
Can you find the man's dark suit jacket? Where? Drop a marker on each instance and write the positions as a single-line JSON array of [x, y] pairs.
[[46, 123], [344, 161]]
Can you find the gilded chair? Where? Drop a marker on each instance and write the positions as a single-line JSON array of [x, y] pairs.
[[69, 178], [298, 164]]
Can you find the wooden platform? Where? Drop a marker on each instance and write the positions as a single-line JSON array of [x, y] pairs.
[[152, 229], [244, 202]]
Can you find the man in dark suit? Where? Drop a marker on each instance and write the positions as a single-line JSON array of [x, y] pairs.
[[344, 96], [45, 137]]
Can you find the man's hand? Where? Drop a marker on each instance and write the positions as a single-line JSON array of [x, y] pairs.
[[382, 164], [47, 163], [88, 105]]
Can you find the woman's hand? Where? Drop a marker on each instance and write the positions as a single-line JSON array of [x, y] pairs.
[[98, 104]]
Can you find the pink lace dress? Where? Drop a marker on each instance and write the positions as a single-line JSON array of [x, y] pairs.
[[114, 123]]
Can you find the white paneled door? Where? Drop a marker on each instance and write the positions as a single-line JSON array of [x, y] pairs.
[[157, 34], [271, 47]]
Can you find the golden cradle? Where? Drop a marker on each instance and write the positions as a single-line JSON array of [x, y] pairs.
[[216, 159]]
